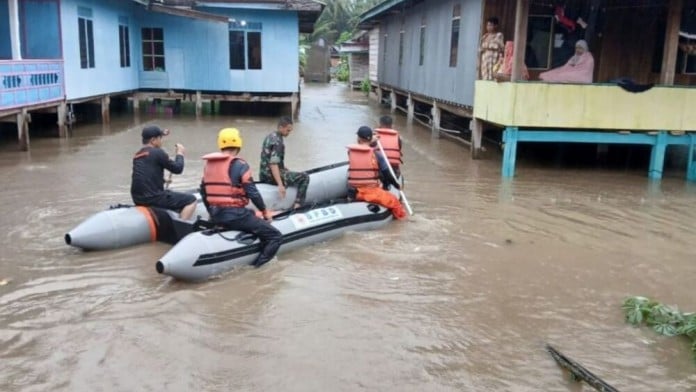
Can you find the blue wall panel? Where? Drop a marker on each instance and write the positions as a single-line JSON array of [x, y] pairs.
[[195, 51], [107, 76], [279, 51], [435, 78], [5, 42], [40, 29]]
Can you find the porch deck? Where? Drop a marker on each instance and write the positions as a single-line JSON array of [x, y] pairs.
[[597, 113]]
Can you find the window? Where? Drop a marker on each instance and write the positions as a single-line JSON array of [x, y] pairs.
[[690, 64], [454, 41], [254, 49], [153, 49], [237, 59], [245, 46], [421, 51], [86, 37], [540, 41], [124, 42]]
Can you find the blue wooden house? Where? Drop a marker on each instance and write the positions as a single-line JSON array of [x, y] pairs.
[[54, 53]]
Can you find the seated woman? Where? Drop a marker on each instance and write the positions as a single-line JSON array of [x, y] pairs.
[[504, 68], [578, 69]]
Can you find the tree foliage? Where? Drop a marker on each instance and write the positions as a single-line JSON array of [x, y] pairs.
[[339, 20]]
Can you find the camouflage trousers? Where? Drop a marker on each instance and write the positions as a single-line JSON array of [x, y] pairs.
[[291, 178]]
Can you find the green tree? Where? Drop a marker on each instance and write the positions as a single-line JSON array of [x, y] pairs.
[[338, 22]]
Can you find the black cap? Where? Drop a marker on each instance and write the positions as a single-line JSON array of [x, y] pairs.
[[151, 131], [365, 132]]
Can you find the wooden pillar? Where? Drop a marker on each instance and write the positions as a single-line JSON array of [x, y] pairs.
[[669, 56], [293, 105], [521, 19], [15, 38], [436, 113], [106, 114], [392, 97], [411, 109], [509, 151], [136, 102], [199, 104], [23, 120], [62, 117], [379, 95], [657, 156], [476, 136]]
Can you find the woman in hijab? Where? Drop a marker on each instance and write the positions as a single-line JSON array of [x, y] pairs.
[[579, 69]]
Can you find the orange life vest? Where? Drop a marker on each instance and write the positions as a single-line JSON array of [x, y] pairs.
[[218, 187], [390, 143], [363, 170]]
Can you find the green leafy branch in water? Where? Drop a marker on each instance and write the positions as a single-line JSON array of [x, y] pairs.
[[664, 319]]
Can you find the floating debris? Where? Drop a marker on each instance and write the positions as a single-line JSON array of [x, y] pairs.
[[578, 372]]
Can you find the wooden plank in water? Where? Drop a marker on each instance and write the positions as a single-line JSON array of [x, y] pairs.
[[580, 373]]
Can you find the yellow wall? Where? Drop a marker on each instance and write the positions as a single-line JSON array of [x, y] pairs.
[[536, 104]]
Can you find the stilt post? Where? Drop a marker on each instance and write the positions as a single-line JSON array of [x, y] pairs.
[[435, 112], [509, 151], [657, 157], [411, 109], [23, 120], [476, 136]]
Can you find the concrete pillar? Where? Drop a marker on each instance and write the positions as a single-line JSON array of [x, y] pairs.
[[435, 113], [23, 120], [106, 114], [379, 95], [411, 109], [199, 104], [392, 97], [15, 40], [509, 151], [476, 127], [62, 117], [657, 156]]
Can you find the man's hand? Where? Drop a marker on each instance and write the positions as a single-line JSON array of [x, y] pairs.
[[267, 215], [281, 191], [165, 132], [179, 149]]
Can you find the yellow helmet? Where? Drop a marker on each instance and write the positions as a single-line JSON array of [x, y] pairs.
[[229, 137]]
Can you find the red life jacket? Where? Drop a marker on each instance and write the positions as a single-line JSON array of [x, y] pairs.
[[217, 184], [363, 170], [390, 143]]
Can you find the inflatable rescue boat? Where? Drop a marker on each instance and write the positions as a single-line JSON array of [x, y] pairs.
[[210, 252], [125, 225]]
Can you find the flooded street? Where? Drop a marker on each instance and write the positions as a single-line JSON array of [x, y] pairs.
[[461, 297]]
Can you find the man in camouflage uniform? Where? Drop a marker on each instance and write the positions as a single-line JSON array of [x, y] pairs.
[[273, 170]]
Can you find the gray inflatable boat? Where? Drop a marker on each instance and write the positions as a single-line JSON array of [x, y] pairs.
[[203, 254], [125, 225]]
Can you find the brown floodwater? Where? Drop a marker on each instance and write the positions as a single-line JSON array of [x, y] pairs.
[[462, 296]]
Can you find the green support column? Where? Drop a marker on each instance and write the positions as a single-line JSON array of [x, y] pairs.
[[657, 157], [510, 151]]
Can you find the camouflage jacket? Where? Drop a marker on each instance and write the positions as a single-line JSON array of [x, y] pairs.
[[272, 151]]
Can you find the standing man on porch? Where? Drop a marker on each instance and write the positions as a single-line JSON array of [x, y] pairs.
[[273, 170]]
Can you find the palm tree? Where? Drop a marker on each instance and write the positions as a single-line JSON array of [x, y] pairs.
[[339, 19]]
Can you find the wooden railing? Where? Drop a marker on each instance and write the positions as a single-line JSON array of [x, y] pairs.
[[30, 82]]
